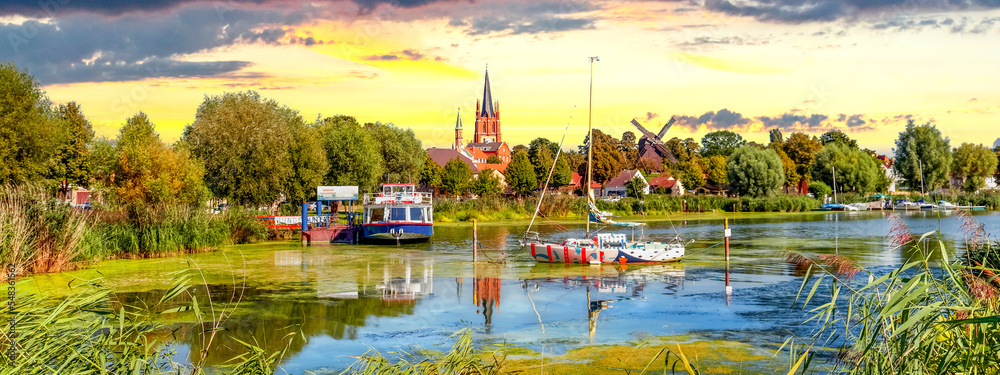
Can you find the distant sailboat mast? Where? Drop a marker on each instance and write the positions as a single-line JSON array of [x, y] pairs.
[[590, 136]]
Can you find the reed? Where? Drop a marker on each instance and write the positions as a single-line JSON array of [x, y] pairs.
[[920, 318], [38, 233], [463, 358]]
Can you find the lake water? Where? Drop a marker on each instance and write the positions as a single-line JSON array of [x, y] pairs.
[[348, 299]]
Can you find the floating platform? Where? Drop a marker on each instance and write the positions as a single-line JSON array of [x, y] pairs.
[[351, 234]]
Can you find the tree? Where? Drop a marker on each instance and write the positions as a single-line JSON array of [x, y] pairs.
[[791, 172], [30, 130], [755, 172], [243, 141], [721, 142], [635, 188], [820, 189], [648, 164], [716, 171], [855, 169], [73, 165], [802, 150], [518, 148], [837, 136], [430, 174], [629, 149], [520, 174], [608, 160], [148, 172], [563, 175], [493, 159], [456, 176], [487, 184], [973, 163], [923, 147], [355, 157], [309, 162], [691, 174], [540, 154], [683, 150], [402, 153], [996, 173], [101, 159], [776, 136]]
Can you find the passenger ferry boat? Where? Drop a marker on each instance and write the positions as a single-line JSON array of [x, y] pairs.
[[398, 213]]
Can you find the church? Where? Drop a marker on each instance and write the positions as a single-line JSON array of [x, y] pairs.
[[486, 142]]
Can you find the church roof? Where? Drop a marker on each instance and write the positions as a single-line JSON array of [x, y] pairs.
[[486, 146], [487, 110], [458, 122], [442, 156]]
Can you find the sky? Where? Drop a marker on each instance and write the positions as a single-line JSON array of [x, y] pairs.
[[861, 66]]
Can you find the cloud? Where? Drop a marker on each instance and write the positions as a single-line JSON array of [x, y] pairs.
[[513, 18], [799, 11], [513, 26], [408, 54], [92, 48], [651, 115], [724, 119], [45, 9], [793, 121]]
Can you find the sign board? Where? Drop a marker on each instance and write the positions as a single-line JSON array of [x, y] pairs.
[[729, 232], [337, 193]]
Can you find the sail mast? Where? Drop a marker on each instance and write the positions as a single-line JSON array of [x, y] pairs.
[[590, 136]]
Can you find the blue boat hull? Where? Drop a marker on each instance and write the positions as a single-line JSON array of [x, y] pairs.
[[410, 232]]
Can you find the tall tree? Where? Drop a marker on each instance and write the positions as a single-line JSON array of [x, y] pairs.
[[456, 177], [101, 159], [720, 142], [243, 140], [923, 146], [562, 176], [430, 174], [802, 150], [635, 188], [755, 172], [691, 174], [540, 154], [972, 164], [520, 174], [402, 153], [629, 149], [355, 157], [309, 162], [73, 166], [776, 136], [837, 136], [716, 171], [683, 150], [147, 171], [487, 184], [855, 169], [30, 130]]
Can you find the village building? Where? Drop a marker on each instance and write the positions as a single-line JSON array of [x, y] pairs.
[[616, 186], [666, 185]]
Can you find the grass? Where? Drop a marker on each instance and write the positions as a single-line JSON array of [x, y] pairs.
[[38, 233]]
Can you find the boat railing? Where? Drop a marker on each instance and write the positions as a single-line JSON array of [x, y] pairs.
[[398, 198]]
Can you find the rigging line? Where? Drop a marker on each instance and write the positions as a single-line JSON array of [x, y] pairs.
[[546, 186]]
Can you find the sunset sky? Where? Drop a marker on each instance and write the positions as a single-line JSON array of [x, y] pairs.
[[861, 66]]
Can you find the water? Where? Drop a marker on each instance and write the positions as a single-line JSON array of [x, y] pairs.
[[348, 299]]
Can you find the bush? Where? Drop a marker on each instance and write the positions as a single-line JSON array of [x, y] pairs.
[[819, 189]]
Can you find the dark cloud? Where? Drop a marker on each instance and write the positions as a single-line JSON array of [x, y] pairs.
[[49, 8], [793, 121], [528, 18], [651, 115], [724, 119], [734, 40], [490, 24], [408, 54], [855, 121], [798, 11], [90, 48]]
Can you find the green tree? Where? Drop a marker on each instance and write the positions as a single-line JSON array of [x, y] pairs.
[[74, 166], [562, 176], [487, 184], [802, 150], [691, 174], [355, 157], [923, 146], [820, 189], [720, 142], [430, 174], [493, 159], [683, 150], [837, 136], [243, 140], [309, 162], [635, 188], [776, 136], [716, 171], [402, 153], [30, 130], [608, 160], [146, 171], [791, 172], [755, 172], [541, 155], [629, 149], [101, 158], [996, 173], [456, 177], [973, 163], [520, 174], [855, 169]]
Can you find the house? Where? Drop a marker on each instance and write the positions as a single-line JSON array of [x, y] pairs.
[[890, 173], [668, 184], [616, 186], [576, 182]]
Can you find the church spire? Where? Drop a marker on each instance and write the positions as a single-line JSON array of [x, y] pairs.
[[487, 107], [458, 130]]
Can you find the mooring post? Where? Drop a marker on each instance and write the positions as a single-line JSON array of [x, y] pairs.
[[305, 216], [475, 240], [729, 232]]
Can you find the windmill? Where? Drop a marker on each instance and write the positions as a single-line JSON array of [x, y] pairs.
[[653, 143]]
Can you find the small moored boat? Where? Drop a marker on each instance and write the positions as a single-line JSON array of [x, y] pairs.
[[398, 213]]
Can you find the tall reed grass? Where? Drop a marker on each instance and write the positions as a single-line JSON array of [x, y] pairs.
[[920, 318], [37, 232]]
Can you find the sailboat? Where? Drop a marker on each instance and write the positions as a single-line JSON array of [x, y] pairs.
[[834, 206], [602, 247]]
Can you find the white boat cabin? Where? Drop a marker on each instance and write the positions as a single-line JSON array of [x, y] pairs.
[[398, 203]]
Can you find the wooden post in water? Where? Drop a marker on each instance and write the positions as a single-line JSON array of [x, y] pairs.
[[475, 240], [729, 288]]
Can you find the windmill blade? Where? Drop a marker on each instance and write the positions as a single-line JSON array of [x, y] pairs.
[[649, 135], [656, 142], [666, 127]]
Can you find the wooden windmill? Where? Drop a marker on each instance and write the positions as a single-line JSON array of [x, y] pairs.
[[652, 144]]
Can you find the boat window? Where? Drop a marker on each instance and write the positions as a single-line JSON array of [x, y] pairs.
[[375, 215], [398, 214], [416, 214]]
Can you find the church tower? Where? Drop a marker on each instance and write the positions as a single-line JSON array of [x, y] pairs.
[[458, 131], [487, 117]]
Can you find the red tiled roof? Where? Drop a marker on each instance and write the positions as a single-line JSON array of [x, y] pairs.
[[622, 178], [499, 167], [662, 181], [477, 153], [442, 156]]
